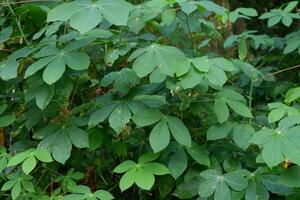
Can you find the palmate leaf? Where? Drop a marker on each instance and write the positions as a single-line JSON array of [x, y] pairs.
[[56, 61], [234, 100], [142, 173], [60, 140], [29, 157], [219, 185], [123, 80], [280, 144], [202, 68], [85, 15], [166, 59]]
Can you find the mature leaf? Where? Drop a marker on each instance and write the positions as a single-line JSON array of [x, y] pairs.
[[178, 163], [179, 131], [119, 118], [101, 114], [78, 137], [85, 15], [221, 110], [219, 132], [242, 135], [43, 155], [61, 151], [199, 154], [147, 117], [160, 136], [54, 70]]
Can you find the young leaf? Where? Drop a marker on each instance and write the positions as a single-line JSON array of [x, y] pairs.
[[29, 164], [125, 166]]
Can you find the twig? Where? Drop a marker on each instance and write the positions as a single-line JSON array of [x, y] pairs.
[[18, 22], [278, 72], [28, 1]]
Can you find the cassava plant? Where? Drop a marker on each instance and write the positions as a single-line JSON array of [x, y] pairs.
[[149, 99]]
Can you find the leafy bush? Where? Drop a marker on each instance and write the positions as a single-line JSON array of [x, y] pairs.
[[156, 99]]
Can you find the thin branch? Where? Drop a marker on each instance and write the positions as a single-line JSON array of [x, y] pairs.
[[28, 1], [18, 22], [278, 72]]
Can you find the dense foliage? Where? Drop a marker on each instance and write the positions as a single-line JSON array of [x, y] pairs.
[[154, 99]]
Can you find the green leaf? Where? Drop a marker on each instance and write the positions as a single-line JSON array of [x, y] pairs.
[[256, 190], [54, 70], [127, 180], [166, 59], [276, 114], [5, 33], [242, 134], [216, 76], [168, 16], [156, 168], [148, 157], [159, 136], [9, 70], [44, 96], [17, 159], [274, 20], [290, 6], [222, 192], [278, 145], [146, 117], [61, 151], [125, 166], [198, 154], [179, 131], [290, 177], [153, 101], [29, 164], [85, 15], [242, 49], [7, 120], [191, 79], [119, 118], [239, 108], [85, 20], [247, 11], [77, 60], [43, 155], [219, 132], [287, 20], [202, 63], [221, 110], [223, 64], [7, 185], [96, 138], [211, 6], [32, 69], [144, 179], [78, 137], [16, 190], [101, 114], [178, 163], [292, 95], [103, 195], [236, 181]]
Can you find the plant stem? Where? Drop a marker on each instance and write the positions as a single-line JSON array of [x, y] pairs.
[[18, 22]]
